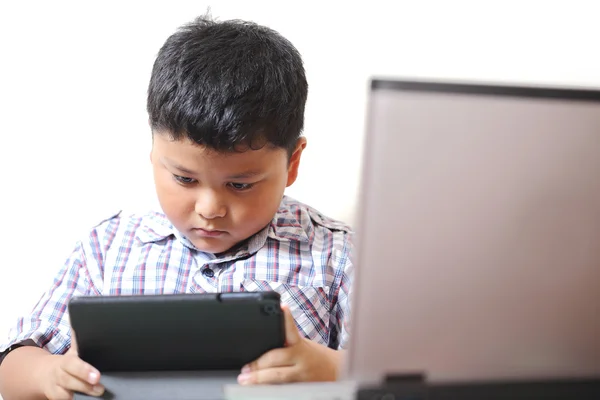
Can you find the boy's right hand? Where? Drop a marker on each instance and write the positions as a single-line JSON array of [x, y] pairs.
[[62, 375]]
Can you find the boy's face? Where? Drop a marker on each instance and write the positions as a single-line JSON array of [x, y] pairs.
[[220, 199]]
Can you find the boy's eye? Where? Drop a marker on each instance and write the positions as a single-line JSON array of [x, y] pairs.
[[240, 186], [184, 180]]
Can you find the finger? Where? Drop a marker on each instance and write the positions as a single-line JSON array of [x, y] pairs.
[[269, 376], [292, 336], [71, 384], [271, 359], [81, 370], [60, 394], [74, 347]]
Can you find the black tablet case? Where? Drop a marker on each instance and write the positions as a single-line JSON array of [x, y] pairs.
[[181, 332]]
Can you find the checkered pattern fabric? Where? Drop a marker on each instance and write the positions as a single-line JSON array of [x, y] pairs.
[[302, 255]]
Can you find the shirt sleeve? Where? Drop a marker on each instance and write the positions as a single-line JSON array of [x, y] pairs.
[[340, 314], [48, 324]]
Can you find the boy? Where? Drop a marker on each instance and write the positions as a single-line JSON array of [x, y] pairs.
[[226, 107]]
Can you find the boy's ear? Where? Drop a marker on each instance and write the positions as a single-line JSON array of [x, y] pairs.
[[294, 162], [151, 154]]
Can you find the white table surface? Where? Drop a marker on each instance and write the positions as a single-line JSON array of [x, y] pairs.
[[300, 391]]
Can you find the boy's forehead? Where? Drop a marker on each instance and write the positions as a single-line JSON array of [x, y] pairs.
[[186, 152]]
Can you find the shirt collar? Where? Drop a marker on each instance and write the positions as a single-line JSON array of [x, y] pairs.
[[154, 227]]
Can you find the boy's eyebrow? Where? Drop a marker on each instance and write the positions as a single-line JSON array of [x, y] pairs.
[[244, 175], [241, 175]]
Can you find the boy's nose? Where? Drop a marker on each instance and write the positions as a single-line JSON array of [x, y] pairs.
[[208, 206]]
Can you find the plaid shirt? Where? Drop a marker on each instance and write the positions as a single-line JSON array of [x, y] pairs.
[[302, 255]]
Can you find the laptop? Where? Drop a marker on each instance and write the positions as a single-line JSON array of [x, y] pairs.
[[478, 234]]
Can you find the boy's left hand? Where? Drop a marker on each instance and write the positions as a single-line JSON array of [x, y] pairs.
[[300, 361]]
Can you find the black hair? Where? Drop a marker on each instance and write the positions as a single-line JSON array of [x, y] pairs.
[[228, 85]]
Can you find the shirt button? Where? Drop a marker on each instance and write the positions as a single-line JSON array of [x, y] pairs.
[[209, 273]]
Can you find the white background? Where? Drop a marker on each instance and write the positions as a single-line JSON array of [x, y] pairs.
[[73, 77]]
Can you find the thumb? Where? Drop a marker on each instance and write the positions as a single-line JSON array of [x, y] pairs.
[[292, 336]]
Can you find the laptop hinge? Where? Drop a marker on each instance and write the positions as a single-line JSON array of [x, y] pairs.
[[396, 387]]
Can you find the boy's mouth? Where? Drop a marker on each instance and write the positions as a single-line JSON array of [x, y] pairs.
[[207, 232]]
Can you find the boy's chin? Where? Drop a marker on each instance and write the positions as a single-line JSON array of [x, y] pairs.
[[213, 246]]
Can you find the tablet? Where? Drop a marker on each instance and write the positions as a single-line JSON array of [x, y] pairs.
[[176, 332]]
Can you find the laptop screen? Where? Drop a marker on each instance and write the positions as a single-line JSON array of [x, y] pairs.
[[478, 234]]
